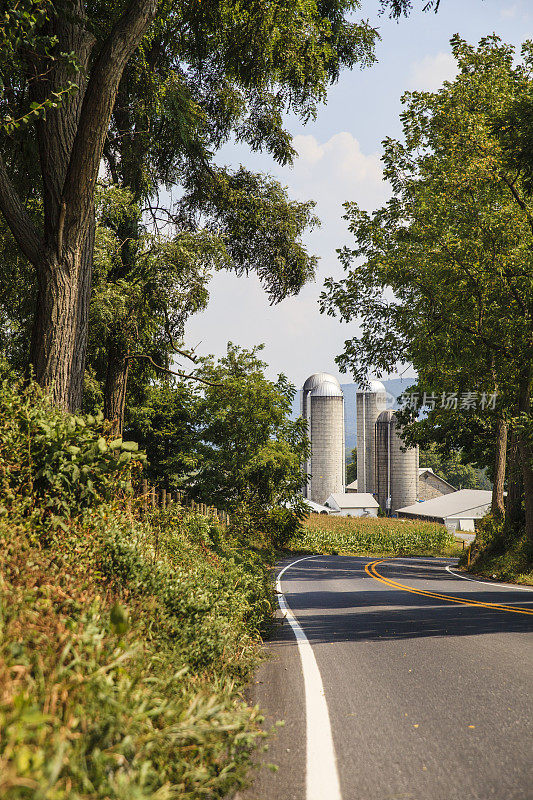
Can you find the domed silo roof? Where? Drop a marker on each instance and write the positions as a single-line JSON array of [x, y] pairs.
[[374, 387], [386, 416], [318, 378], [327, 389]]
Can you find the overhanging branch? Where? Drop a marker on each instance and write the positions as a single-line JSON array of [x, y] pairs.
[[187, 376], [20, 224]]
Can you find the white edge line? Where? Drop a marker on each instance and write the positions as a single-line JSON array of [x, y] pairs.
[[322, 778], [489, 583]]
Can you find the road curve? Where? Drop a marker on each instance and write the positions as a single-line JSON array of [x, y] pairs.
[[427, 680]]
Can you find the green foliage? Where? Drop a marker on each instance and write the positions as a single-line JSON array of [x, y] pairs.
[[452, 467], [250, 451], [124, 644], [500, 553], [122, 650], [453, 244], [55, 465], [23, 31], [161, 417], [366, 536], [442, 276], [351, 467]]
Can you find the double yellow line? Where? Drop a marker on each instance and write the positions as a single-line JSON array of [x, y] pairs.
[[371, 570]]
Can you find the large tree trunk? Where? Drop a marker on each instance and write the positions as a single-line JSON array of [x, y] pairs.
[[116, 384], [82, 324], [527, 475], [500, 454], [55, 328], [514, 510], [71, 140], [526, 451], [60, 325]]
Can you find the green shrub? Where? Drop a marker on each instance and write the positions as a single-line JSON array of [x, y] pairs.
[[124, 644], [500, 553], [122, 654], [55, 465]]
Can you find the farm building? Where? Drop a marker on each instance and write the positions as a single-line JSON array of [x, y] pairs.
[[457, 510], [352, 504], [430, 485]]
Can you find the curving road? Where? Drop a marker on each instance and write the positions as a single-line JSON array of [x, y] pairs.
[[397, 680]]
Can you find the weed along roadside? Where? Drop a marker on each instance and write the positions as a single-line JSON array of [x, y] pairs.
[[122, 661]]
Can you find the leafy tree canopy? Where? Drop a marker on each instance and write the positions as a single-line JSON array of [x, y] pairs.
[[453, 244], [249, 450]]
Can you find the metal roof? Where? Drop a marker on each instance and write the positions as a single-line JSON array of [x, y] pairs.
[[454, 504], [327, 389], [317, 378], [316, 507], [354, 500], [374, 387]]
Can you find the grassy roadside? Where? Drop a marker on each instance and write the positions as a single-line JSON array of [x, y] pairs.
[[125, 639], [124, 647], [498, 556], [367, 536]]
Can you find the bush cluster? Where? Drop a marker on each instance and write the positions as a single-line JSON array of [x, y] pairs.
[[500, 553], [124, 642], [53, 465]]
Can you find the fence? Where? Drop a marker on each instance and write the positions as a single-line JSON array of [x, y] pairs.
[[151, 497]]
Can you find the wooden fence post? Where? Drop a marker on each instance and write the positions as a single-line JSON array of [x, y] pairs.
[[153, 497], [163, 498], [144, 495]]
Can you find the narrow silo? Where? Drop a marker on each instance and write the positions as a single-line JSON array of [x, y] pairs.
[[396, 468], [326, 412], [369, 405], [310, 384]]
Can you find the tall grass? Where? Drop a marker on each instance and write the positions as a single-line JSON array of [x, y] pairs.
[[123, 650], [321, 533]]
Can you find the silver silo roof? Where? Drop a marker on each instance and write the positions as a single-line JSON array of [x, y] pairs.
[[374, 387], [327, 389], [318, 378]]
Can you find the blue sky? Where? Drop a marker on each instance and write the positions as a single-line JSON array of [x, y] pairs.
[[339, 160]]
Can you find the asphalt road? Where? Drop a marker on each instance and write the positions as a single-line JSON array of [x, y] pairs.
[[429, 698]]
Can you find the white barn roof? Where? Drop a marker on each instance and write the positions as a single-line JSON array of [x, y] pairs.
[[353, 500], [316, 507], [464, 503]]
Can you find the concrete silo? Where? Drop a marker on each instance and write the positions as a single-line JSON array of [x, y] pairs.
[[396, 469], [369, 405], [312, 383]]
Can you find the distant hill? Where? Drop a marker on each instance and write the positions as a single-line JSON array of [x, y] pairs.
[[394, 387]]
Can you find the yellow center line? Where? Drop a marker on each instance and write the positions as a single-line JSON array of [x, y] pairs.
[[371, 570]]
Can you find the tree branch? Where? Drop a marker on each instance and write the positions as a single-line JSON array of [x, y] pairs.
[[188, 376], [96, 112], [519, 200], [186, 354], [20, 224]]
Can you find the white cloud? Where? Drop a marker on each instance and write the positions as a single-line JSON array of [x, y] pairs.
[[430, 72], [509, 12], [299, 340]]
